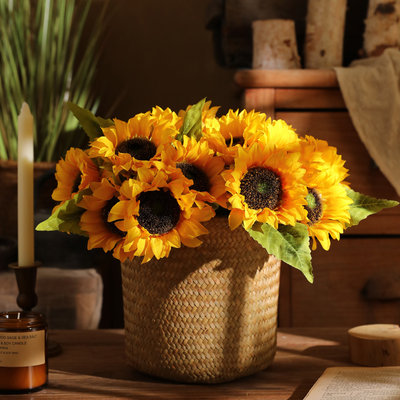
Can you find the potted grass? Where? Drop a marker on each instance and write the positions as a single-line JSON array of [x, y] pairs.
[[41, 63]]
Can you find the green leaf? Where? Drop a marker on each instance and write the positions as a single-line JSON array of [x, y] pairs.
[[192, 122], [105, 123], [66, 218], [289, 244], [90, 123], [364, 205]]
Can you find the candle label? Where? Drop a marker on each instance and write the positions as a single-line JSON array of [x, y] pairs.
[[22, 349]]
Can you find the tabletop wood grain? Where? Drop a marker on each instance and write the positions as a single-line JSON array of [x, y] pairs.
[[92, 366]]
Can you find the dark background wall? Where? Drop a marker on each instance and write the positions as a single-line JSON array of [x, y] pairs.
[[160, 53]]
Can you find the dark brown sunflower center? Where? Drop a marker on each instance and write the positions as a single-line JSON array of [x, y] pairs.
[[77, 182], [139, 148], [105, 213], [314, 206], [236, 140], [261, 188], [159, 212], [124, 175], [200, 179]]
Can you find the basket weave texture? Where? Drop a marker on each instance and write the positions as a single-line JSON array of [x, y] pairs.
[[207, 314]]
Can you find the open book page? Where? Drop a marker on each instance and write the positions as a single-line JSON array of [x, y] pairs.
[[357, 383]]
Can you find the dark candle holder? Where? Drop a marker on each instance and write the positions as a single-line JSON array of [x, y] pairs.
[[26, 281], [27, 298]]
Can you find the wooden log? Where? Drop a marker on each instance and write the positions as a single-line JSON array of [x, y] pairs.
[[382, 28], [375, 345], [274, 44], [236, 33], [324, 33]]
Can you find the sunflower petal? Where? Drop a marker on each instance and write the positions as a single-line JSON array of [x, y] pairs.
[[235, 218], [157, 245]]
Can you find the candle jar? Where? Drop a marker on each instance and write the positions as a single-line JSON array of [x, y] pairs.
[[23, 360]]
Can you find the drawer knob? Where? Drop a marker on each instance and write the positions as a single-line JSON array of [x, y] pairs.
[[384, 285]]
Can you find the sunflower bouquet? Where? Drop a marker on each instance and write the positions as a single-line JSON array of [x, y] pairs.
[[147, 185]]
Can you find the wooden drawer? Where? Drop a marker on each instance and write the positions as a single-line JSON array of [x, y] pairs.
[[336, 297]]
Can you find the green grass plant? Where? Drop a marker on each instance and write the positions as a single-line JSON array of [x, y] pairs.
[[44, 61]]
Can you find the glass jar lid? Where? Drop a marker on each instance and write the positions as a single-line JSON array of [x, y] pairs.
[[10, 320]]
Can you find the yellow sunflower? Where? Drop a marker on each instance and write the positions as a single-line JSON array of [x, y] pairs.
[[197, 162], [236, 129], [141, 138], [157, 214], [73, 174], [277, 134], [102, 232], [265, 187], [319, 157], [166, 115], [327, 201]]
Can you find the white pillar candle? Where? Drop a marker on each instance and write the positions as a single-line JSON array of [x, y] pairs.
[[26, 255]]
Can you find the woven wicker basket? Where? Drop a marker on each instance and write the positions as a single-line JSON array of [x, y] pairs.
[[203, 315]]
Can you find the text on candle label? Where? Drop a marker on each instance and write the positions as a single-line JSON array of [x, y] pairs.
[[22, 349]]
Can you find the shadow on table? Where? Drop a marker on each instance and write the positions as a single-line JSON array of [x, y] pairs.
[[96, 353], [318, 349], [330, 334], [95, 364], [88, 386], [338, 353], [144, 387], [301, 391], [322, 343]]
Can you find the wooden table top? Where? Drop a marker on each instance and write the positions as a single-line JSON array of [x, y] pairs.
[[92, 366]]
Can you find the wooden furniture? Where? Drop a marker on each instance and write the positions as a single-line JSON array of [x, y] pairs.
[[93, 366], [358, 280]]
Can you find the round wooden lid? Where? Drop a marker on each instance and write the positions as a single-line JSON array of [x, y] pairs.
[[376, 331], [375, 345]]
